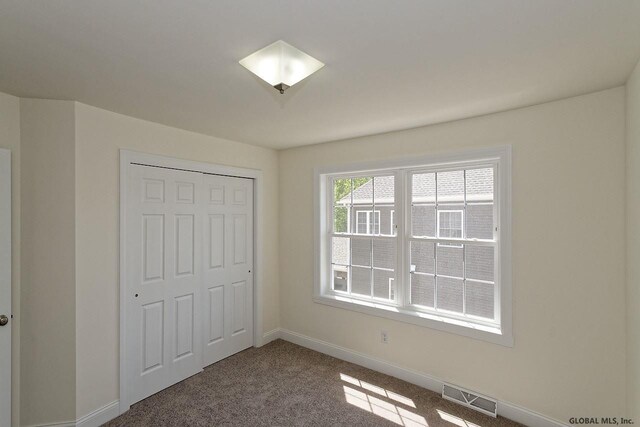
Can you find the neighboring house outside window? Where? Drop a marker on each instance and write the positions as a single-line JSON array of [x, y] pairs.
[[445, 258], [450, 224], [368, 222], [392, 222]]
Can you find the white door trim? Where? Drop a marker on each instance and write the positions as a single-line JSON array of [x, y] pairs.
[[5, 283], [126, 158]]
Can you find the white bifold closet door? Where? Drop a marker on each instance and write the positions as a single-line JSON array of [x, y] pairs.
[[164, 243], [188, 256], [228, 250]]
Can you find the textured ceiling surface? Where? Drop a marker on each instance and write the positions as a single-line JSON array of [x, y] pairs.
[[389, 65]]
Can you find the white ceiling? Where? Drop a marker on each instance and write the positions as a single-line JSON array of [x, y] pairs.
[[389, 64]]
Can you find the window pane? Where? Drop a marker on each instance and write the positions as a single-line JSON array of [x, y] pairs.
[[362, 220], [362, 205], [340, 250], [340, 278], [361, 281], [361, 252], [479, 185], [374, 220], [449, 260], [449, 294], [423, 220], [383, 198], [384, 254], [479, 262], [450, 187], [450, 224], [423, 198], [479, 218], [423, 188], [480, 299], [342, 191], [340, 219], [422, 257], [383, 284], [422, 289]]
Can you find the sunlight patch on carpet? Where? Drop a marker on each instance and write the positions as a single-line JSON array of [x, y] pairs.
[[382, 408]]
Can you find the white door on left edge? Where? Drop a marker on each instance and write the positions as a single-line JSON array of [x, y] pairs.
[[164, 277], [5, 288]]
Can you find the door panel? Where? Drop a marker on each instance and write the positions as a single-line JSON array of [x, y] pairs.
[[164, 250], [216, 241], [184, 326], [239, 301], [239, 239], [184, 244], [153, 244], [152, 335], [216, 314], [228, 276]]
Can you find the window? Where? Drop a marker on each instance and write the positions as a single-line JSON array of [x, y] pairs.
[[442, 261], [368, 222]]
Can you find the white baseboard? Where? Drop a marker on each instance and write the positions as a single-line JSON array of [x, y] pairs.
[[100, 415], [92, 419], [505, 409], [60, 424], [272, 335]]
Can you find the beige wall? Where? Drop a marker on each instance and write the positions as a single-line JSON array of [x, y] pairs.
[[10, 139], [633, 244], [48, 330], [568, 258], [100, 134]]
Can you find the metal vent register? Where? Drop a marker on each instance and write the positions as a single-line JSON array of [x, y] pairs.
[[470, 399]]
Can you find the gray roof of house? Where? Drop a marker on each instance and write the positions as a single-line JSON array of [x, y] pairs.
[[450, 188]]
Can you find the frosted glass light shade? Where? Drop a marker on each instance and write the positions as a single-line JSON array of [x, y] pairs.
[[281, 65]]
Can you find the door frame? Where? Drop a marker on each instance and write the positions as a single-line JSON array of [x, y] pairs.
[[128, 157], [5, 263]]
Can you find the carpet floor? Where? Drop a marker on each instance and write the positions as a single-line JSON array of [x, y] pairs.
[[283, 384]]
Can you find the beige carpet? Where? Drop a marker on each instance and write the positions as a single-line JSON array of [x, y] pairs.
[[282, 384]]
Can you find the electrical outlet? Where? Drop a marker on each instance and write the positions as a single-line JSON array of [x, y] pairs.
[[384, 337]]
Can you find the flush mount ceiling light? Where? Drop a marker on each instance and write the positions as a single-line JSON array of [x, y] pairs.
[[281, 65]]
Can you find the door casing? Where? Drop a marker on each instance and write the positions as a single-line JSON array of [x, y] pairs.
[[5, 287], [127, 158]]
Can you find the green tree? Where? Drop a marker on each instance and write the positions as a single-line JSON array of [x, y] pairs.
[[341, 188]]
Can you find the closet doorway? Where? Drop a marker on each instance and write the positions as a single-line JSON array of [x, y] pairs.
[[188, 276]]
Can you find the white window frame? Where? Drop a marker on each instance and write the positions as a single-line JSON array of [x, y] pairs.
[[498, 331]]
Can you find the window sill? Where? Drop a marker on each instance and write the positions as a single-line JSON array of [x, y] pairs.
[[454, 326]]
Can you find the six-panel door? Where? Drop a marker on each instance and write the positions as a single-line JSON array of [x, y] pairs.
[[228, 265], [164, 246]]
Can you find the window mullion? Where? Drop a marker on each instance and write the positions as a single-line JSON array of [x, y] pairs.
[[464, 247], [400, 216]]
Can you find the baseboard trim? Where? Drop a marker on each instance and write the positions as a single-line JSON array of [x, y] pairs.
[[92, 419], [100, 415], [271, 335], [505, 409], [60, 424]]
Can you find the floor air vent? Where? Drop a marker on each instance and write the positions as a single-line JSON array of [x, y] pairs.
[[470, 399]]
